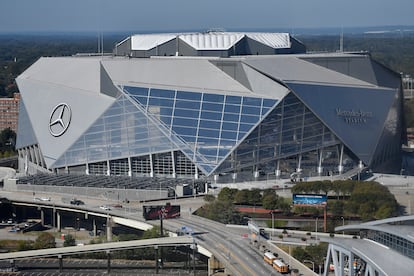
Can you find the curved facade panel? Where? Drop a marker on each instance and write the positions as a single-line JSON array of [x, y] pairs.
[[229, 118]]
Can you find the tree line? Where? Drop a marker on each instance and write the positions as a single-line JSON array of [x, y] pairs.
[[366, 200]]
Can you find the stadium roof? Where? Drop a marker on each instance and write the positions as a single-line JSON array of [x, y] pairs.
[[209, 40]]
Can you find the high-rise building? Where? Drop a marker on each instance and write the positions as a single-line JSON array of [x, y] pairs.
[[9, 112]]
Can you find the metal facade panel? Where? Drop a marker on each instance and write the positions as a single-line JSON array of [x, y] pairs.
[[292, 68], [149, 41], [25, 133], [174, 73], [42, 99], [350, 112], [274, 40], [263, 85], [211, 41], [75, 72]]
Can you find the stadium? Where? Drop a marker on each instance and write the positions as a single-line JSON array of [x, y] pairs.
[[222, 106]]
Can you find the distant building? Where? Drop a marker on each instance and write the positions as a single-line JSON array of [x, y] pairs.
[[9, 112], [223, 106]]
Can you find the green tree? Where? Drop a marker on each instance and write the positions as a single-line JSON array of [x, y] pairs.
[[7, 137], [69, 240], [227, 194], [254, 197], [242, 197], [45, 240]]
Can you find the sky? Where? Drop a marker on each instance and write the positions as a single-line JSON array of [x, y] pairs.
[[182, 15]]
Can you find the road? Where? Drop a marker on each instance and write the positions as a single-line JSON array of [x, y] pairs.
[[226, 244]]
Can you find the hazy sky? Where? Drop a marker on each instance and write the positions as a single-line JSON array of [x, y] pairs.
[[164, 15]]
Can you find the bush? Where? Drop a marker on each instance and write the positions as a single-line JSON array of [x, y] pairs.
[[69, 240], [45, 240]]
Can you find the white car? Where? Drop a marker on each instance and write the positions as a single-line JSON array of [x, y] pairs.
[[42, 198], [105, 207]]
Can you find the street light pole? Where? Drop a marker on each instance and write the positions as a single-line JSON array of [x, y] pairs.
[[273, 223], [343, 224]]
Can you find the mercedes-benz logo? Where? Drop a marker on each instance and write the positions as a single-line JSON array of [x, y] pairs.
[[60, 119]]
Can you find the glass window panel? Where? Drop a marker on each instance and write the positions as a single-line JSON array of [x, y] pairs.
[[251, 110], [186, 122], [208, 133], [166, 120], [230, 126], [162, 93], [161, 102], [138, 91], [214, 98], [223, 152], [205, 141], [230, 135], [268, 102], [96, 128], [228, 108], [165, 111], [186, 113], [208, 153], [188, 105], [249, 119], [245, 127], [189, 139], [210, 124], [218, 107], [228, 117], [233, 100], [185, 131], [211, 115], [193, 96], [252, 101], [141, 100]]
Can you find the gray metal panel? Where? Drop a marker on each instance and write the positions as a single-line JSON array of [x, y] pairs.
[[25, 133], [73, 81], [292, 68], [350, 113], [357, 66], [107, 87], [174, 73]]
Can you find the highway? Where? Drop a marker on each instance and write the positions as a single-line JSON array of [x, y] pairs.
[[226, 244]]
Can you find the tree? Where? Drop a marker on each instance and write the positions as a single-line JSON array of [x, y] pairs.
[[45, 240], [242, 197], [69, 240], [227, 194], [7, 137]]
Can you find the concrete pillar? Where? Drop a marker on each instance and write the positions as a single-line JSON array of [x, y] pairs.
[[108, 263], [60, 257], [42, 216], [108, 229], [94, 227], [156, 259], [58, 221]]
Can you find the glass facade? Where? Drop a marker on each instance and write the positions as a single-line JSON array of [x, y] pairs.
[[122, 131], [209, 125], [289, 130], [168, 132], [404, 246]]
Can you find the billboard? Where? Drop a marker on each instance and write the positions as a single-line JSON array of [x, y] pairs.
[[167, 211], [309, 200]]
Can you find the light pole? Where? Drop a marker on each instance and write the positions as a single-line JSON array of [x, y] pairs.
[[343, 224], [273, 223], [313, 264]]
